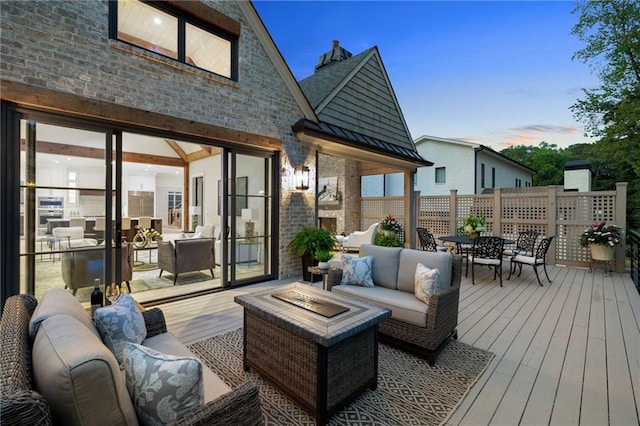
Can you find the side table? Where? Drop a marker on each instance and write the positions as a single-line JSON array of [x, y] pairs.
[[326, 284]]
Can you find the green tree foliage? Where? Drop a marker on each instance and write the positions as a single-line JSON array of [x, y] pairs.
[[546, 159], [611, 33]]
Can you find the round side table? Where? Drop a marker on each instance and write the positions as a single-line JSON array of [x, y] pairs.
[[326, 285]]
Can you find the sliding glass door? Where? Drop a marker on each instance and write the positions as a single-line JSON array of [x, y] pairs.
[[66, 190]]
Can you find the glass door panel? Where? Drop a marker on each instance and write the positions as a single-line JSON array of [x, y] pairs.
[[63, 198]]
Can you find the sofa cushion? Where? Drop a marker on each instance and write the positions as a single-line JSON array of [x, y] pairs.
[[385, 264], [404, 306], [409, 260], [79, 376], [168, 344], [120, 323], [427, 282], [163, 387], [357, 270], [59, 301]]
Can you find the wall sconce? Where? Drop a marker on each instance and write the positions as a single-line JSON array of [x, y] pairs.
[[301, 178]]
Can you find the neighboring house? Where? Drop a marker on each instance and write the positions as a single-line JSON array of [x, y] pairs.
[[357, 108], [469, 168], [200, 87]]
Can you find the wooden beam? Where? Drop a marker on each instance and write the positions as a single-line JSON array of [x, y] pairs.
[[97, 153], [199, 155], [56, 101], [177, 149]]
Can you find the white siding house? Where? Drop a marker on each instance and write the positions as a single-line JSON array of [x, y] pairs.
[[467, 167]]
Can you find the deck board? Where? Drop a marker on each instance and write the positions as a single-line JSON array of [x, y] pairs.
[[565, 353]]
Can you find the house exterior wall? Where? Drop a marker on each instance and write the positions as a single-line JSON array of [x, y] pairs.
[[64, 46], [458, 163], [506, 173], [578, 179]]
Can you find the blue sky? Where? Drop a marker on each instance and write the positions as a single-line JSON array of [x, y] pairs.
[[496, 73]]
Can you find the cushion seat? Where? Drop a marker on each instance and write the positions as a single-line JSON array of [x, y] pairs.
[[484, 261], [404, 306], [166, 343], [529, 260]]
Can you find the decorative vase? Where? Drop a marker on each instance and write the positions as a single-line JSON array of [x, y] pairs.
[[323, 265], [602, 253], [474, 235]]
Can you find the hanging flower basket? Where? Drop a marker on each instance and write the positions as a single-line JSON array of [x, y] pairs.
[[602, 253]]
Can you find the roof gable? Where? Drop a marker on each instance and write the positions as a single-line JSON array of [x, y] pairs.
[[356, 94]]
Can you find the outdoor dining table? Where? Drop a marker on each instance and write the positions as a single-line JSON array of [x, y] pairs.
[[459, 240], [464, 239]]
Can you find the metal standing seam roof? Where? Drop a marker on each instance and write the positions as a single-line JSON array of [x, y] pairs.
[[358, 139]]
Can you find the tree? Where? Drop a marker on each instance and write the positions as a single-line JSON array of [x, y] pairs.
[[611, 32], [546, 159]]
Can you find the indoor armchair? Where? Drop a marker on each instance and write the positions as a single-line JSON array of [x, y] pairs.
[[187, 255]]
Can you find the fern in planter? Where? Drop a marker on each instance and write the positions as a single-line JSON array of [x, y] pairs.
[[309, 241]]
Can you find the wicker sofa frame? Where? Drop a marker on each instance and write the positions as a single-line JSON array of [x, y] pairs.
[[442, 319], [20, 404]]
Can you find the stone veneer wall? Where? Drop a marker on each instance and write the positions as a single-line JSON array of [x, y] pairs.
[[347, 212], [64, 46]]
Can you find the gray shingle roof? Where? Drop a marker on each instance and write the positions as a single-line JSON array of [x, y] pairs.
[[319, 85]]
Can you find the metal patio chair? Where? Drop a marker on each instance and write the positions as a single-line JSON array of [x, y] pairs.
[[486, 251], [535, 260], [427, 241]]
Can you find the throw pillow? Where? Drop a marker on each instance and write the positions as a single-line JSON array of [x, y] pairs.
[[357, 271], [120, 323], [163, 388], [427, 282]]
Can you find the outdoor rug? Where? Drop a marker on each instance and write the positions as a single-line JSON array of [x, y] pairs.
[[410, 392]]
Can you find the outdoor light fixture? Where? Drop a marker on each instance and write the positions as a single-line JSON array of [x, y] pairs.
[[301, 176]]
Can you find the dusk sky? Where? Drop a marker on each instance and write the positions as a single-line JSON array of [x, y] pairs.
[[495, 73]]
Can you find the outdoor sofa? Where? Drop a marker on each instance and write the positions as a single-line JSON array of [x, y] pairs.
[[414, 325], [55, 369]]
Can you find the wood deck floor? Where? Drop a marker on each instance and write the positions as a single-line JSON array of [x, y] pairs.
[[565, 353]]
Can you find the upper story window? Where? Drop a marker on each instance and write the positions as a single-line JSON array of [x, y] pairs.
[[176, 34], [441, 174]]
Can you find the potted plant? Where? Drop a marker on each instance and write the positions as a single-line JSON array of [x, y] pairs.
[[474, 225], [323, 257], [601, 240], [307, 242], [389, 233]]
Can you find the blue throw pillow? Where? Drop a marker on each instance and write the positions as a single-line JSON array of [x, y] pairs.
[[357, 271]]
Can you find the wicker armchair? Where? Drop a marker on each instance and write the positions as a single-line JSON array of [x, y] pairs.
[[20, 404]]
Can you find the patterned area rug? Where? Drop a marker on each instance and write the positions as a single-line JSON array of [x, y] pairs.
[[410, 392]]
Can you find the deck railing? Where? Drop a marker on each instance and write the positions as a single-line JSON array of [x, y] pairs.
[[549, 210], [634, 254]]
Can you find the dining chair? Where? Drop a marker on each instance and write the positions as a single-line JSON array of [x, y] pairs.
[[486, 251], [427, 241], [524, 244], [539, 258]]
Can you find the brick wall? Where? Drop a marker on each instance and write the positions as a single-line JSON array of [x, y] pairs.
[[64, 45]]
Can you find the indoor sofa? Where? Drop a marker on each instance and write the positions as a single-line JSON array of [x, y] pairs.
[[55, 369], [415, 325]]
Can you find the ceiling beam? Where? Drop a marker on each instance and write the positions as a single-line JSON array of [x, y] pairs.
[[97, 153], [175, 146]]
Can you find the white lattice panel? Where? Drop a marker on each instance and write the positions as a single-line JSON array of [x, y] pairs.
[[568, 248], [587, 209]]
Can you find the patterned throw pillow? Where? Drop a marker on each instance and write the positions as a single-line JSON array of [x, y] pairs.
[[357, 271], [163, 388], [427, 282], [120, 323]]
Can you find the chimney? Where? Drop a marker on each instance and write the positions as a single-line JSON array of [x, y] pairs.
[[336, 54]]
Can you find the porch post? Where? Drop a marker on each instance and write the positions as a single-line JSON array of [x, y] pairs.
[[552, 229], [410, 208], [621, 220], [453, 210], [497, 212]]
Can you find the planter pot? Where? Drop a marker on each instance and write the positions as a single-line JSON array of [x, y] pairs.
[[474, 235], [603, 253], [307, 260], [387, 233], [323, 265]]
